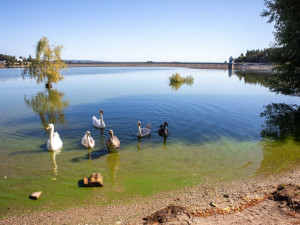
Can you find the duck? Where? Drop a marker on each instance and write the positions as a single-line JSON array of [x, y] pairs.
[[99, 123], [112, 141], [163, 131], [87, 140], [54, 142], [145, 131]]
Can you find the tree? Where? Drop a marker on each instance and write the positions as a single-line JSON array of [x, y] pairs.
[[255, 56], [286, 54], [47, 64], [29, 58]]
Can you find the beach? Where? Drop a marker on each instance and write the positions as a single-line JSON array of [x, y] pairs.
[[247, 201]]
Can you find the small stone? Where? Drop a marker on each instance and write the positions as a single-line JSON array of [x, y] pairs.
[[35, 195], [5, 177]]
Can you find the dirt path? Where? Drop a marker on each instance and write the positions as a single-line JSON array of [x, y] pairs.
[[247, 201]]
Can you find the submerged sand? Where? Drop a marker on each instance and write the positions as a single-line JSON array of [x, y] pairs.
[[247, 201]]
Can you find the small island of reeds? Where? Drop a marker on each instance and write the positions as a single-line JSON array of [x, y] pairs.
[[176, 80]]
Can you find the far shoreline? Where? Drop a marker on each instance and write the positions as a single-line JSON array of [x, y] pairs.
[[192, 65]]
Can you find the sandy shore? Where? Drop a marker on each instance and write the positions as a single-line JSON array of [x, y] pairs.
[[245, 201]]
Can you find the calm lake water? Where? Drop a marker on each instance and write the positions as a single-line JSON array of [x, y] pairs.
[[223, 127]]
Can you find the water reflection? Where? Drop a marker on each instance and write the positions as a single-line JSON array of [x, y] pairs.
[[53, 157], [256, 78], [49, 105], [282, 122], [113, 161], [139, 144], [176, 81], [101, 136], [165, 143]]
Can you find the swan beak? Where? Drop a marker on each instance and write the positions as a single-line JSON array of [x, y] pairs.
[[48, 127]]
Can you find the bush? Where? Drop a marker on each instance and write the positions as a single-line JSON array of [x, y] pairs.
[[176, 80], [189, 80]]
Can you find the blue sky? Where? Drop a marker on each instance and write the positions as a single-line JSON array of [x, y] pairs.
[[136, 30]]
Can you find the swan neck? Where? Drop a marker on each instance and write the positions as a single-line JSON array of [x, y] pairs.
[[88, 141], [51, 137], [139, 130], [101, 118]]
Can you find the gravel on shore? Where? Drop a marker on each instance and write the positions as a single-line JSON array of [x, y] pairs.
[[245, 201]]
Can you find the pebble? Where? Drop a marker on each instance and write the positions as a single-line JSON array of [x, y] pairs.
[[35, 195]]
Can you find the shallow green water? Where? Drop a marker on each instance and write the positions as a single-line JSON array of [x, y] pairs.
[[215, 134]]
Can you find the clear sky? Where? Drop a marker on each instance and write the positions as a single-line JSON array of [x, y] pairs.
[[136, 30]]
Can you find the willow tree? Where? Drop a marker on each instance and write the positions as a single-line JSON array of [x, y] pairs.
[[47, 64]]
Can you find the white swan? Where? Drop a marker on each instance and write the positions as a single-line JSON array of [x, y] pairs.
[[99, 123], [54, 142], [145, 131], [87, 140], [112, 141]]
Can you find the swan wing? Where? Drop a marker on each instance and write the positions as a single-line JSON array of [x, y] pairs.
[[57, 143], [163, 131], [48, 144], [91, 142], [113, 143], [116, 142], [102, 124], [145, 131], [84, 141], [96, 122]]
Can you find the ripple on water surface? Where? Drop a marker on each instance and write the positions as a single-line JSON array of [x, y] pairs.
[[214, 134]]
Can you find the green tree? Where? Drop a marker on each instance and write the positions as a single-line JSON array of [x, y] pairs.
[[286, 54], [29, 58], [255, 56], [47, 64]]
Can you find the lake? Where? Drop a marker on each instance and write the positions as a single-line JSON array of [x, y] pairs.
[[223, 127]]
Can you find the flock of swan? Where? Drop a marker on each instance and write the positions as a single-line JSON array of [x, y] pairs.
[[55, 143]]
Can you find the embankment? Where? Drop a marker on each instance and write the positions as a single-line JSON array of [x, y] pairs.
[[237, 66]]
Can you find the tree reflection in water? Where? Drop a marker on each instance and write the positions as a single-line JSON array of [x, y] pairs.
[[282, 121], [281, 131], [281, 128], [252, 77], [49, 105]]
